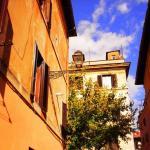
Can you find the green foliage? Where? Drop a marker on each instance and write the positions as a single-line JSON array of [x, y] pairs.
[[96, 117]]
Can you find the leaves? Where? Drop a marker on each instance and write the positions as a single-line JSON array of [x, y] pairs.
[[96, 117]]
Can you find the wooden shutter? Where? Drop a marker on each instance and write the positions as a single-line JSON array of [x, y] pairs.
[[99, 80], [114, 80], [34, 74], [3, 9], [38, 87], [41, 2], [39, 82], [64, 119], [64, 114], [49, 14], [44, 85]]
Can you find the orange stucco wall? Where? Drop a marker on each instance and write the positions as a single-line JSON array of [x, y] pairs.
[[26, 128], [147, 72], [144, 121], [20, 127]]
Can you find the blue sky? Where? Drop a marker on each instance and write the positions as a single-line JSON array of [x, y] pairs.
[[105, 25]]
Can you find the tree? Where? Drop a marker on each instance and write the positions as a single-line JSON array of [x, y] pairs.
[[96, 117]]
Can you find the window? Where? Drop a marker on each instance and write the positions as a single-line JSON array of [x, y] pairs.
[[3, 8], [31, 148], [144, 122], [107, 81], [143, 141], [46, 9], [113, 57], [64, 119], [39, 82], [147, 137]]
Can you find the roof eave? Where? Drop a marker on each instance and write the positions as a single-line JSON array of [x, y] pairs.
[[143, 49], [68, 13]]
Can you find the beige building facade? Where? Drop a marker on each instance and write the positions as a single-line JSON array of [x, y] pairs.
[[110, 74]]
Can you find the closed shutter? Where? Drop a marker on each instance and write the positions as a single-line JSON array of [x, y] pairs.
[[38, 87], [34, 75], [99, 80], [3, 9], [64, 119], [48, 13], [64, 114], [44, 85], [114, 80]]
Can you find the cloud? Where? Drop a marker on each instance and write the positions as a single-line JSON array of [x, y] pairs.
[[94, 41], [123, 8], [142, 1], [99, 10], [113, 18], [136, 92]]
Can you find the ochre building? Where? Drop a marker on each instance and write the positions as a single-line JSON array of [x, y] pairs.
[[34, 43]]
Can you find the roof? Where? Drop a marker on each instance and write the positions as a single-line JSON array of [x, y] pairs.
[[100, 67], [68, 13], [143, 49], [137, 134]]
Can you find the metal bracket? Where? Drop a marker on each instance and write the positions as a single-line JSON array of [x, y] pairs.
[[56, 74]]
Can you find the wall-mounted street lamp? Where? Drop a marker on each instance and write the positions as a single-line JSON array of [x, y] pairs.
[[78, 59]]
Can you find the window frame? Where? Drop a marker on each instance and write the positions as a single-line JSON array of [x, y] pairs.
[[113, 80], [39, 88]]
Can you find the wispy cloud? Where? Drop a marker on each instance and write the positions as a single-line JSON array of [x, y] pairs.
[[123, 8], [97, 41], [142, 1], [106, 42], [99, 10], [113, 18], [136, 92]]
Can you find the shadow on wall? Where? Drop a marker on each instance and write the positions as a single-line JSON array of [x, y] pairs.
[[6, 36]]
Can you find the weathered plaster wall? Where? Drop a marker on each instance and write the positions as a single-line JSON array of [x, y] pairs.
[[28, 29]]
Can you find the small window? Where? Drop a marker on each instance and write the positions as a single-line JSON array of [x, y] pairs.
[[107, 81], [39, 82], [147, 137], [113, 57], [143, 141], [3, 9], [64, 119], [144, 122]]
